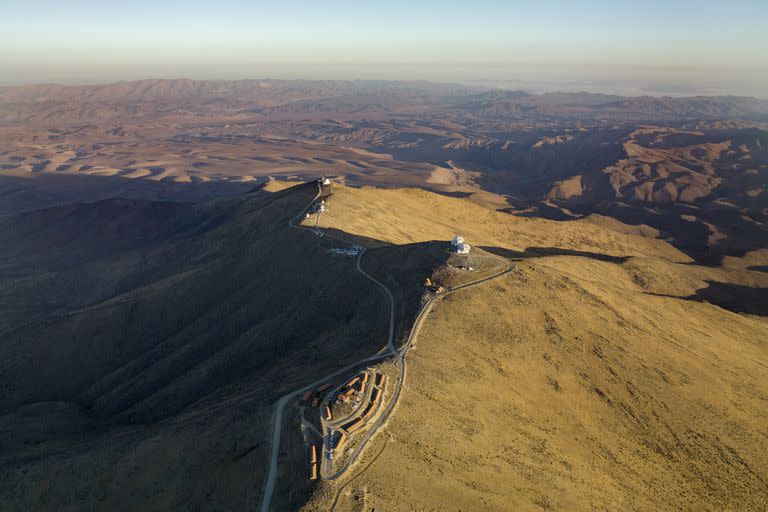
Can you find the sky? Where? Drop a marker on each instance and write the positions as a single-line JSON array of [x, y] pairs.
[[665, 47]]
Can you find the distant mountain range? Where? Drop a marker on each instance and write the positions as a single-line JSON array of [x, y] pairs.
[[701, 161], [165, 301], [59, 103]]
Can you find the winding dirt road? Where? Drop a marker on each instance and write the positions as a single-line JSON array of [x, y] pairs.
[[389, 350], [385, 352]]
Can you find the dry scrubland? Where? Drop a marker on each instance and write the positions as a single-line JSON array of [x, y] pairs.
[[584, 380], [694, 168], [404, 216], [139, 365], [588, 379], [143, 343]]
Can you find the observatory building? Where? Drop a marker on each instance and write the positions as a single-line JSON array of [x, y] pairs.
[[459, 246], [326, 187]]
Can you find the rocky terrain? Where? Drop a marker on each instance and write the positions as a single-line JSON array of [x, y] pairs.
[[608, 371], [146, 339], [694, 168], [155, 303]]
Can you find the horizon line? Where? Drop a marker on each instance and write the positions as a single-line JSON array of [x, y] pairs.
[[479, 83]]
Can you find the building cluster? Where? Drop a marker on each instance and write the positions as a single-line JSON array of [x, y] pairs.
[[363, 392], [359, 385], [317, 207]]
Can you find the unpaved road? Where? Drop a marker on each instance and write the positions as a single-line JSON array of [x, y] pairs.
[[388, 351], [400, 360]]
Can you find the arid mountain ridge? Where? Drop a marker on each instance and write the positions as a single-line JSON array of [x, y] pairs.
[[695, 168], [145, 345], [57, 103], [156, 303]]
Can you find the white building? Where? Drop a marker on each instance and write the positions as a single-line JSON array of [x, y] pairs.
[[462, 248], [459, 246]]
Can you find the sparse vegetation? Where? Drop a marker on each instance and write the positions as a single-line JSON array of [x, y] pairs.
[[148, 332]]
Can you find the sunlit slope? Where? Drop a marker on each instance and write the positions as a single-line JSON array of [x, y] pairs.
[[644, 261], [595, 377], [412, 215], [542, 392]]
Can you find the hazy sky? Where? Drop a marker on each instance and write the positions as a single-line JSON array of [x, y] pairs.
[[666, 45]]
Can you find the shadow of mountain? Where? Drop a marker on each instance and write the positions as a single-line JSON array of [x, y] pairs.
[[188, 340], [333, 237], [457, 194], [539, 252], [539, 211], [54, 189], [739, 232], [170, 315], [733, 297], [402, 268]]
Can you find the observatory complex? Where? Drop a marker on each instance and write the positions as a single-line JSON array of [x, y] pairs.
[[459, 246]]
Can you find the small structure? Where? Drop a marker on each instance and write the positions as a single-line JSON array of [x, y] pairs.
[[354, 425], [348, 395], [459, 246], [317, 207], [326, 187], [462, 248], [433, 287], [346, 251]]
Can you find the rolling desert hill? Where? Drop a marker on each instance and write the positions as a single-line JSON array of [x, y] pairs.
[[693, 168], [600, 374], [682, 182], [162, 314], [608, 370], [155, 353], [53, 103]]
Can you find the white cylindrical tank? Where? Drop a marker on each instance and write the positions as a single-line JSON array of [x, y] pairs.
[[457, 240]]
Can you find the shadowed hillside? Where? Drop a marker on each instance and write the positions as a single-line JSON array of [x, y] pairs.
[[143, 324], [144, 352]]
